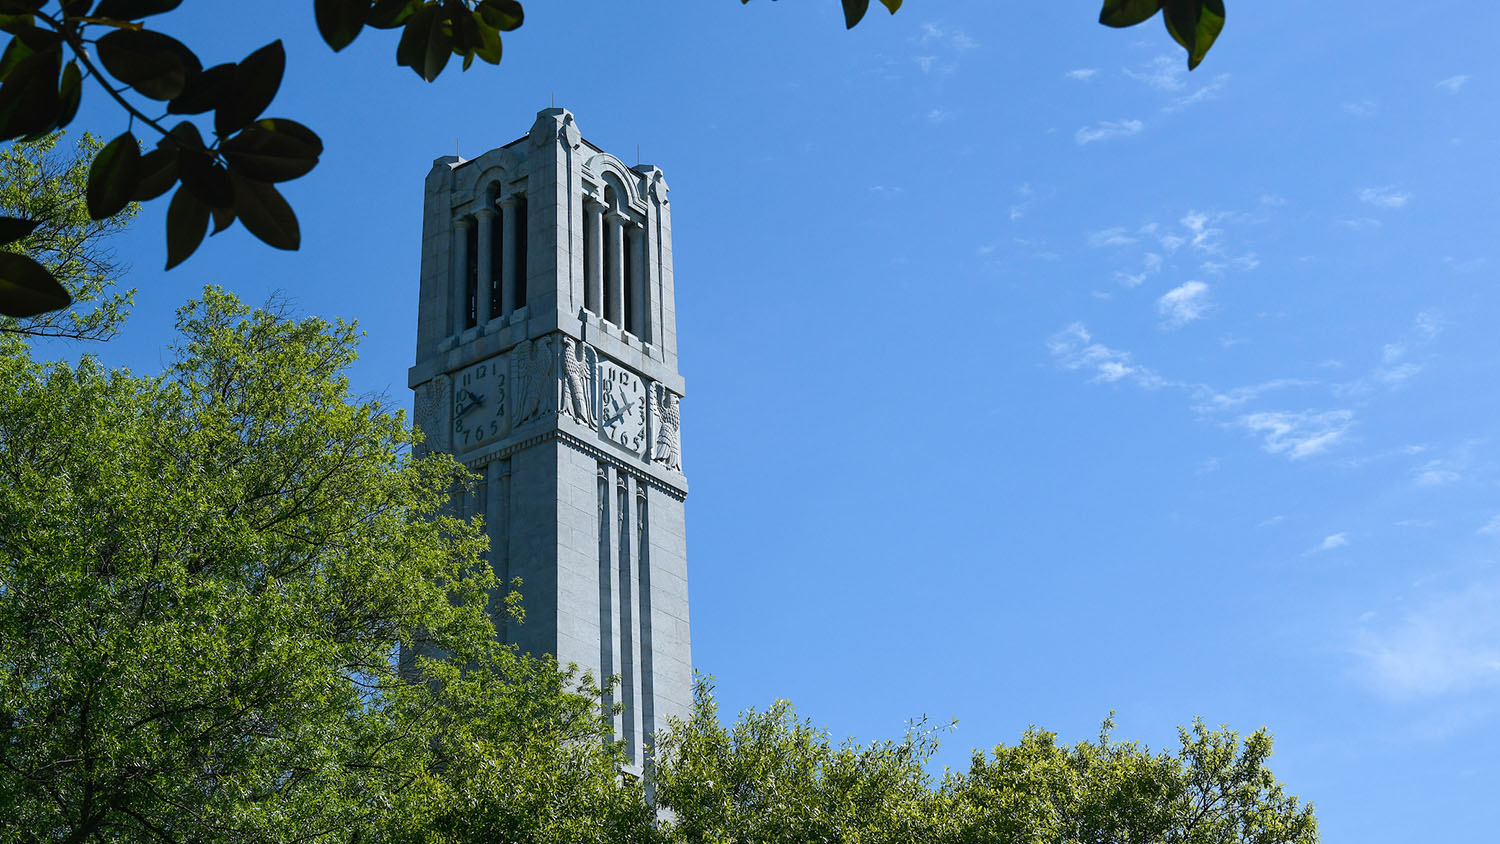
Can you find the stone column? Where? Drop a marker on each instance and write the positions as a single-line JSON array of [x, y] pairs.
[[508, 268], [461, 274], [593, 259], [637, 253], [484, 305], [615, 312]]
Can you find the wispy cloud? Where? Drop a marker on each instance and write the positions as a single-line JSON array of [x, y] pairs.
[[1453, 83], [1447, 644], [1298, 434], [1107, 130], [1115, 236], [938, 115], [1204, 94], [1183, 304], [884, 190], [1436, 473], [1164, 73], [1082, 74], [1384, 197], [1074, 348], [1363, 108], [1337, 540], [1491, 527], [941, 47], [1359, 224]]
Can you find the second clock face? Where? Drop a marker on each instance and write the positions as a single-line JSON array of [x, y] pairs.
[[479, 403], [622, 407]]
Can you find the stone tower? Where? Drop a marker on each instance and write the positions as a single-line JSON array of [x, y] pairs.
[[547, 363]]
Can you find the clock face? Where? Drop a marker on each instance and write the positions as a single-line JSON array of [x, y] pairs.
[[622, 407], [479, 403]]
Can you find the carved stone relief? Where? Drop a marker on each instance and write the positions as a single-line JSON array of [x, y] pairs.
[[430, 412], [577, 369], [533, 377], [668, 451]]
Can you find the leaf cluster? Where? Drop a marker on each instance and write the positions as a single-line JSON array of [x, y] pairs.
[[1194, 24], [228, 169]]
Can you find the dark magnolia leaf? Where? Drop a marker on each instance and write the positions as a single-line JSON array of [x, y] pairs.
[[223, 219], [206, 91], [76, 8], [13, 229], [339, 21], [1122, 13], [504, 15], [389, 14], [29, 99], [187, 222], [853, 11], [265, 213], [1210, 24], [425, 45], [1194, 24], [21, 7], [891, 5], [489, 49], [258, 79], [27, 289], [205, 178], [133, 10], [69, 94], [463, 28], [157, 66], [157, 171], [113, 176], [272, 151], [184, 136]]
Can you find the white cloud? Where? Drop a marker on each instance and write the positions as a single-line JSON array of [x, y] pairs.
[[925, 62], [1363, 108], [1183, 304], [1384, 197], [962, 42], [1337, 540], [1449, 644], [1082, 74], [1108, 129], [1110, 237], [1359, 223], [1452, 83], [1074, 348], [1164, 73], [1298, 434], [884, 190], [938, 115], [1491, 527], [1207, 92], [1436, 473], [1240, 396]]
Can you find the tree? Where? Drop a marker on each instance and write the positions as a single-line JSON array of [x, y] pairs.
[[233, 177], [774, 777], [38, 182], [205, 579]]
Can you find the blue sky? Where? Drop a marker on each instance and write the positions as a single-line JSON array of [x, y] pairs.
[[1029, 376]]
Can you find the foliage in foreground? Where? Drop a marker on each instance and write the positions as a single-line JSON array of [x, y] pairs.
[[39, 182], [204, 577], [225, 170], [775, 777]]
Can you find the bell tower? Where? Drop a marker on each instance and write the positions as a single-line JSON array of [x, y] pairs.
[[547, 363]]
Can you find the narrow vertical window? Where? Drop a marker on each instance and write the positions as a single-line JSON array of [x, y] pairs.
[[496, 222], [589, 256], [632, 281], [520, 234], [471, 277]]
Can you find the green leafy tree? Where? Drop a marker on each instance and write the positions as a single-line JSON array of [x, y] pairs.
[[1215, 790], [41, 183], [226, 169], [205, 578], [775, 777]]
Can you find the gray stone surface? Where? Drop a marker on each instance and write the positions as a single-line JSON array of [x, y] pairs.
[[604, 577]]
